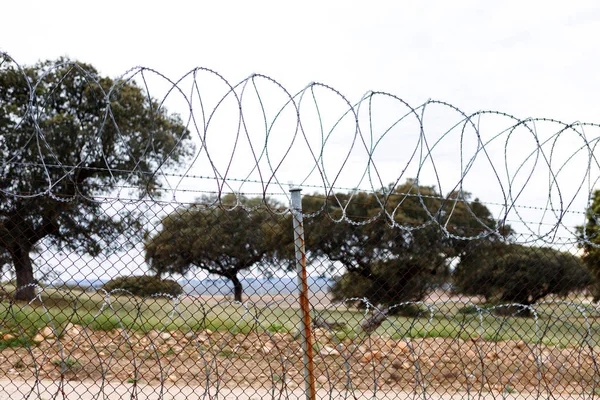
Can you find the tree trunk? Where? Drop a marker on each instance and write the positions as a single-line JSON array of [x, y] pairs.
[[24, 273], [237, 288]]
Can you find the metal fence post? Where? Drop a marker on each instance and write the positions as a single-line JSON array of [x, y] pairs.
[[305, 325]]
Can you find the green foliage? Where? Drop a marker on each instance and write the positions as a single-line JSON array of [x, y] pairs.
[[68, 363], [389, 265], [219, 240], [144, 285], [392, 282], [511, 273], [85, 125], [15, 342], [277, 327], [19, 364], [589, 236]]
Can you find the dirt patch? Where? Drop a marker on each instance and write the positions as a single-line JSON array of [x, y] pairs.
[[274, 360]]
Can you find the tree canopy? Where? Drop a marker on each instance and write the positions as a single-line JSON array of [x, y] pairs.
[[65, 138], [512, 273], [389, 265], [218, 240], [589, 236]]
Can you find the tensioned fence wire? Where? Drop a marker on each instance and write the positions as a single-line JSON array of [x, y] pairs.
[[386, 182], [512, 153]]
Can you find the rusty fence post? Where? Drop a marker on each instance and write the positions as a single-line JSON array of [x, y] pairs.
[[305, 325]]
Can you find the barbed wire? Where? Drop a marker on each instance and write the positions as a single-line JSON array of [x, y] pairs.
[[316, 138], [303, 186]]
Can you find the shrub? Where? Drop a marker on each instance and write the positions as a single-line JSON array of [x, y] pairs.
[[144, 285], [69, 363]]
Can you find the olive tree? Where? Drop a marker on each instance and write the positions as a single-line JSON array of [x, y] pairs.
[[66, 136], [385, 264], [589, 242], [513, 273], [221, 240]]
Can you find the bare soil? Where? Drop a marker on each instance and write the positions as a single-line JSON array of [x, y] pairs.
[[274, 360]]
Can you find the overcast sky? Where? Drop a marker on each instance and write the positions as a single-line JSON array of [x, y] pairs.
[[526, 58], [529, 58]]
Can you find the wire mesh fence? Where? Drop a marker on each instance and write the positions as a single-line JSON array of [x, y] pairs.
[[151, 249]]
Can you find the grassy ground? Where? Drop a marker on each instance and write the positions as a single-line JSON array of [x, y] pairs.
[[559, 324]]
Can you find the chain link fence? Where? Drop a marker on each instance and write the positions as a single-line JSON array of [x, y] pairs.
[[152, 252]]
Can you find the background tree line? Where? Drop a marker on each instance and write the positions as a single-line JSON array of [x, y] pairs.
[[366, 257]]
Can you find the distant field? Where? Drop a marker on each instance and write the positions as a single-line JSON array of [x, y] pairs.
[[443, 316]]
